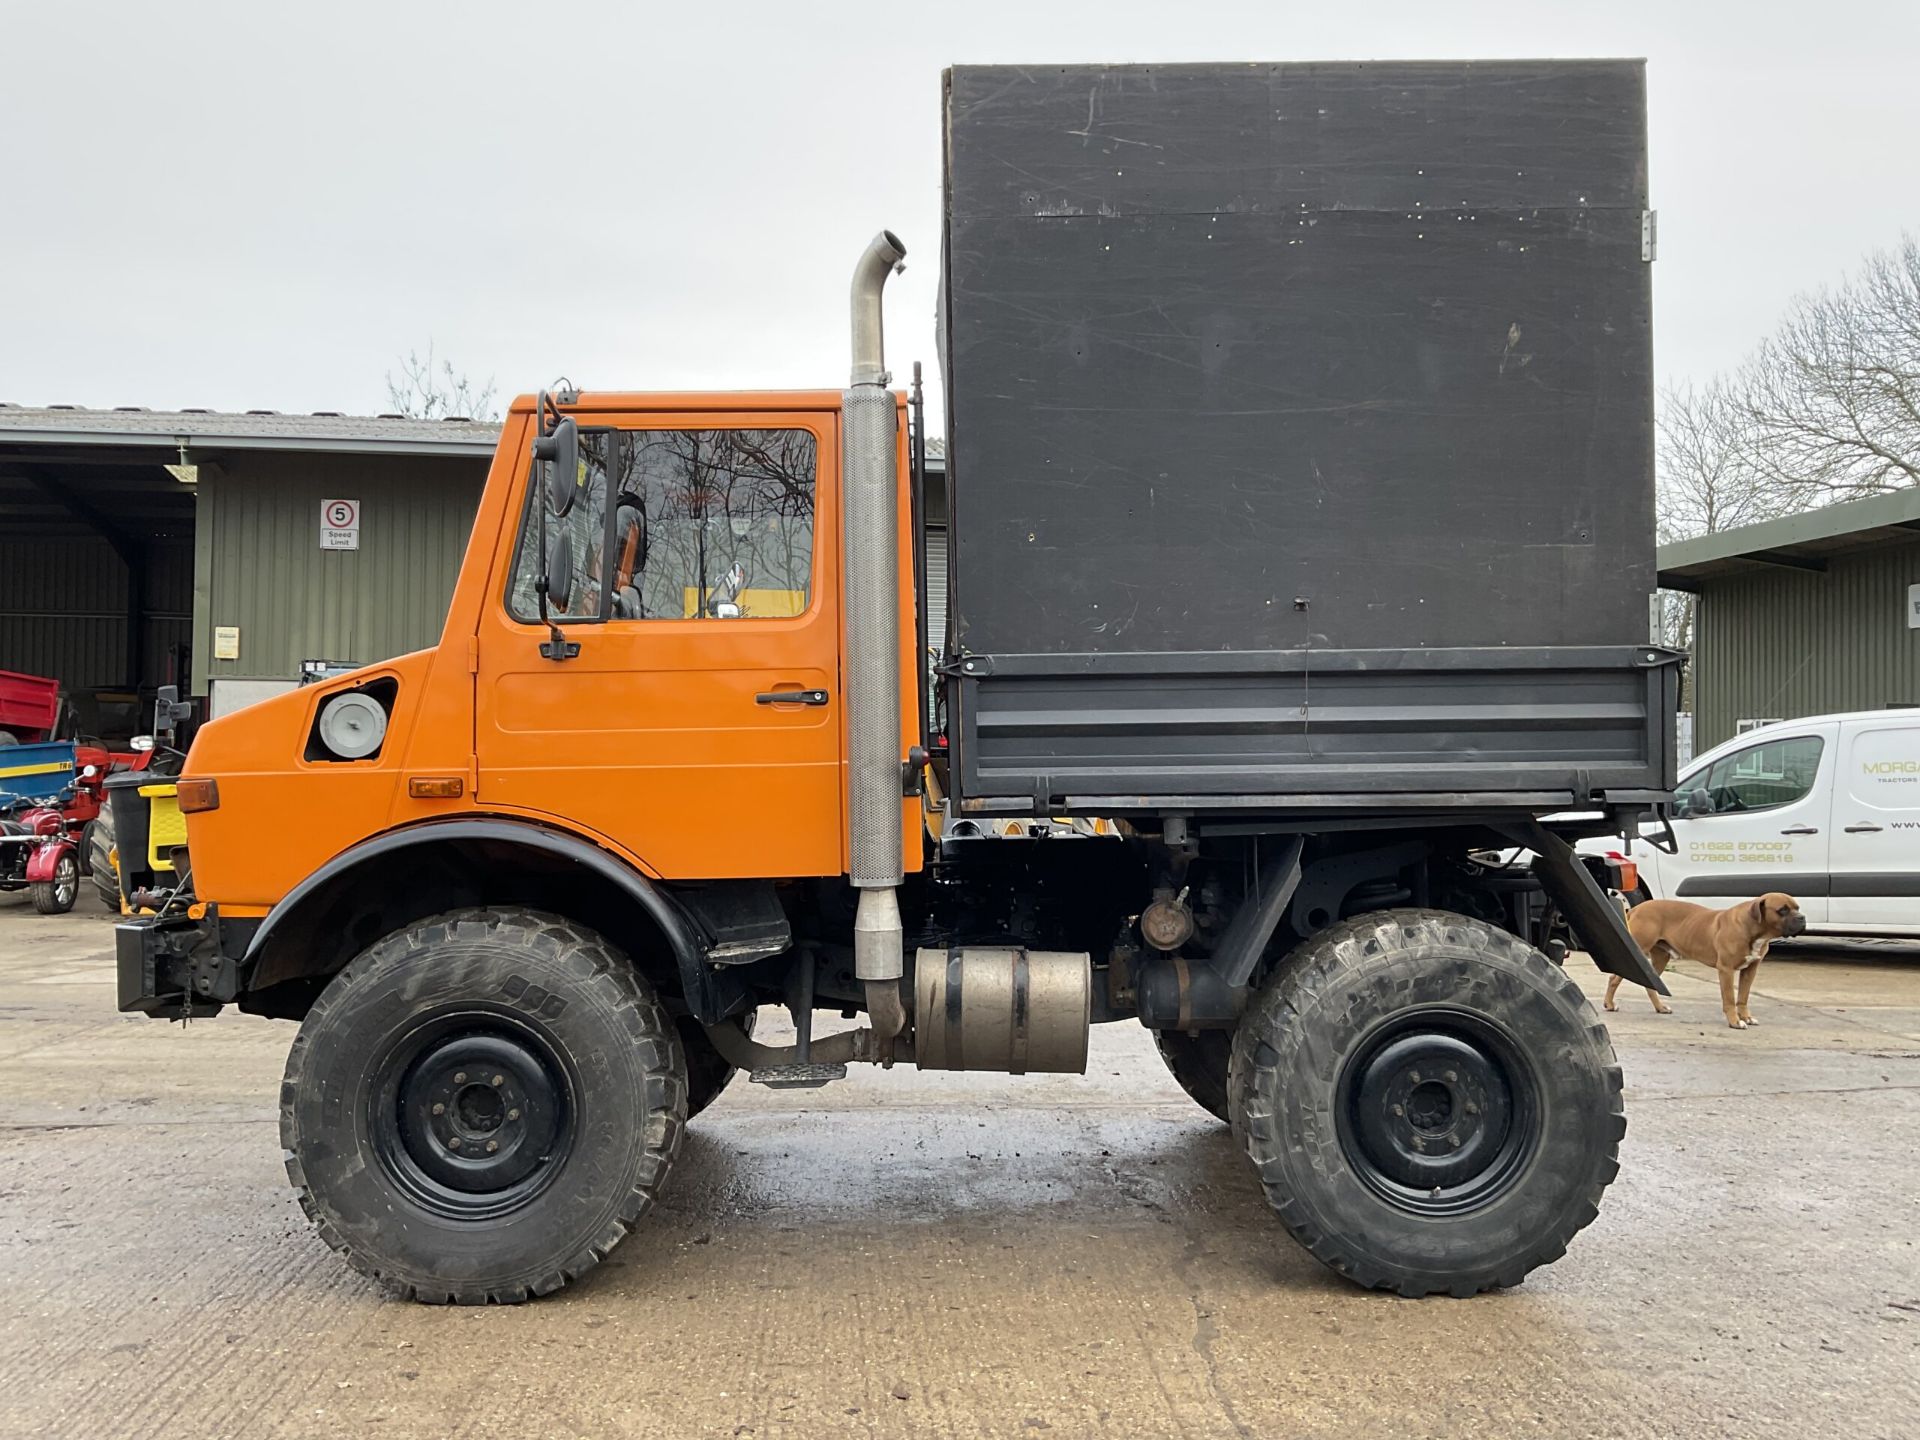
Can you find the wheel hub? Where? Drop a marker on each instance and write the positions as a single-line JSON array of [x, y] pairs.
[[471, 1119], [1438, 1115]]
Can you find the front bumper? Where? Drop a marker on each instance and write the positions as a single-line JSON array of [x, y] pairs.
[[174, 969]]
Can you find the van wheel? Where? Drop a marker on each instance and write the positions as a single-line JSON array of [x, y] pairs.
[[1199, 1064], [480, 1106], [1432, 1105]]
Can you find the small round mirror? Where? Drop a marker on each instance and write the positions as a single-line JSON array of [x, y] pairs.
[[560, 452], [558, 581]]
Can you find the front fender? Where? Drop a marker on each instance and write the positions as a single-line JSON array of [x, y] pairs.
[[704, 994]]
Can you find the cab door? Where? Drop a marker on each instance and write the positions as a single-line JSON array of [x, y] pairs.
[[1754, 820], [1876, 827], [698, 723]]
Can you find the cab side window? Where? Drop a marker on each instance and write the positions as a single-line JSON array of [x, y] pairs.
[[1762, 777], [714, 524]]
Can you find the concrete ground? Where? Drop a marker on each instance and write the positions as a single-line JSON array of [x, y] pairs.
[[982, 1256]]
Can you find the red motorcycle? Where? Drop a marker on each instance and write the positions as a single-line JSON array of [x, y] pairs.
[[51, 797]]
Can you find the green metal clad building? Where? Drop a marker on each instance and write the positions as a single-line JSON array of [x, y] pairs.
[[1808, 615], [141, 548]]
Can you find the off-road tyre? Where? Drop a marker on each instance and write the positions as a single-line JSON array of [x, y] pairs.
[[1198, 1063], [57, 896], [1337, 1036], [708, 1072], [587, 1115], [97, 844]]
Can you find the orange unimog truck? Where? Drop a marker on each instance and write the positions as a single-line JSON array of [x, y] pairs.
[[1301, 531]]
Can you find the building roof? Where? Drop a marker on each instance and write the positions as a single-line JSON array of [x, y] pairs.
[[254, 430], [1795, 542]]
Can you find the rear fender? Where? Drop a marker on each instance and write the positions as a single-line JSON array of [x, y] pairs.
[[1595, 920], [46, 855]]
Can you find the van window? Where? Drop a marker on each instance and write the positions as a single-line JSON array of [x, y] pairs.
[[1761, 777]]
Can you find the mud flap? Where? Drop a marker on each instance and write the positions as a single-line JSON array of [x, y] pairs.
[[1595, 920]]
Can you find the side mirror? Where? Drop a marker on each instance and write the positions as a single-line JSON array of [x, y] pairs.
[[557, 583], [1697, 802], [168, 711], [561, 453]]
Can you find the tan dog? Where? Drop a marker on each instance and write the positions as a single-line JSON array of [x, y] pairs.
[[1733, 941]]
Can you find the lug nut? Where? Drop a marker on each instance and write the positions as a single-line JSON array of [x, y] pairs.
[[513, 1114], [453, 1142], [499, 1079], [460, 1077], [492, 1145], [1399, 1109], [1414, 1077], [1452, 1078], [438, 1108]]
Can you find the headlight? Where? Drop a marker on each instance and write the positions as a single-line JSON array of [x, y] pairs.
[[352, 725]]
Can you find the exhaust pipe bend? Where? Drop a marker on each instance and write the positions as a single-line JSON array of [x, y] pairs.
[[884, 256]]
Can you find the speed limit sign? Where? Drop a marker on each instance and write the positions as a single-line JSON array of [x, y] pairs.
[[339, 524]]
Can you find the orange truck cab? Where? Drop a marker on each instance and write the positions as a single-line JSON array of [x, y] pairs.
[[1269, 650]]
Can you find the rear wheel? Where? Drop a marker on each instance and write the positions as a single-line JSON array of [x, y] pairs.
[[56, 896], [1432, 1105], [1198, 1062], [479, 1107]]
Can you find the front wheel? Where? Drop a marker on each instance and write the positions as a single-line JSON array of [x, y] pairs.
[[56, 896], [1432, 1105], [480, 1106]]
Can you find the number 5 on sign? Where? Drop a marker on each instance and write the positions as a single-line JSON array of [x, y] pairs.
[[339, 524]]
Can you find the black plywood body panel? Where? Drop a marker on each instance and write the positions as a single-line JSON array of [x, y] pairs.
[[1316, 361]]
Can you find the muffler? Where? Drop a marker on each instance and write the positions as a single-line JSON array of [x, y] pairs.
[[1007, 1010]]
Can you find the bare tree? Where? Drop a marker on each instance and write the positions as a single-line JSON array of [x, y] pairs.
[[427, 392], [1707, 480], [1707, 477], [1832, 398]]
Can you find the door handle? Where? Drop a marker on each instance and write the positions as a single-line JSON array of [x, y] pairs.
[[791, 697], [1800, 830], [1865, 827]]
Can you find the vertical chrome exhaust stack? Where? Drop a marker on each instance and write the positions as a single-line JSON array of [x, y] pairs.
[[872, 557]]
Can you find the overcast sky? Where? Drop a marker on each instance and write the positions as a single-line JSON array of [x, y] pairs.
[[256, 205]]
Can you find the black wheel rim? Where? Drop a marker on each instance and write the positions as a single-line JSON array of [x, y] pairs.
[[1439, 1111], [471, 1113]]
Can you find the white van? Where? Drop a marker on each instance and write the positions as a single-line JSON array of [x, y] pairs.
[[1826, 809]]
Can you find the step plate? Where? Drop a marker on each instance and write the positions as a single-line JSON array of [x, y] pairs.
[[798, 1077]]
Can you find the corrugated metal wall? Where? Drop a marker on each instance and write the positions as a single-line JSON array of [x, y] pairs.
[[259, 565], [63, 609], [1780, 644]]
